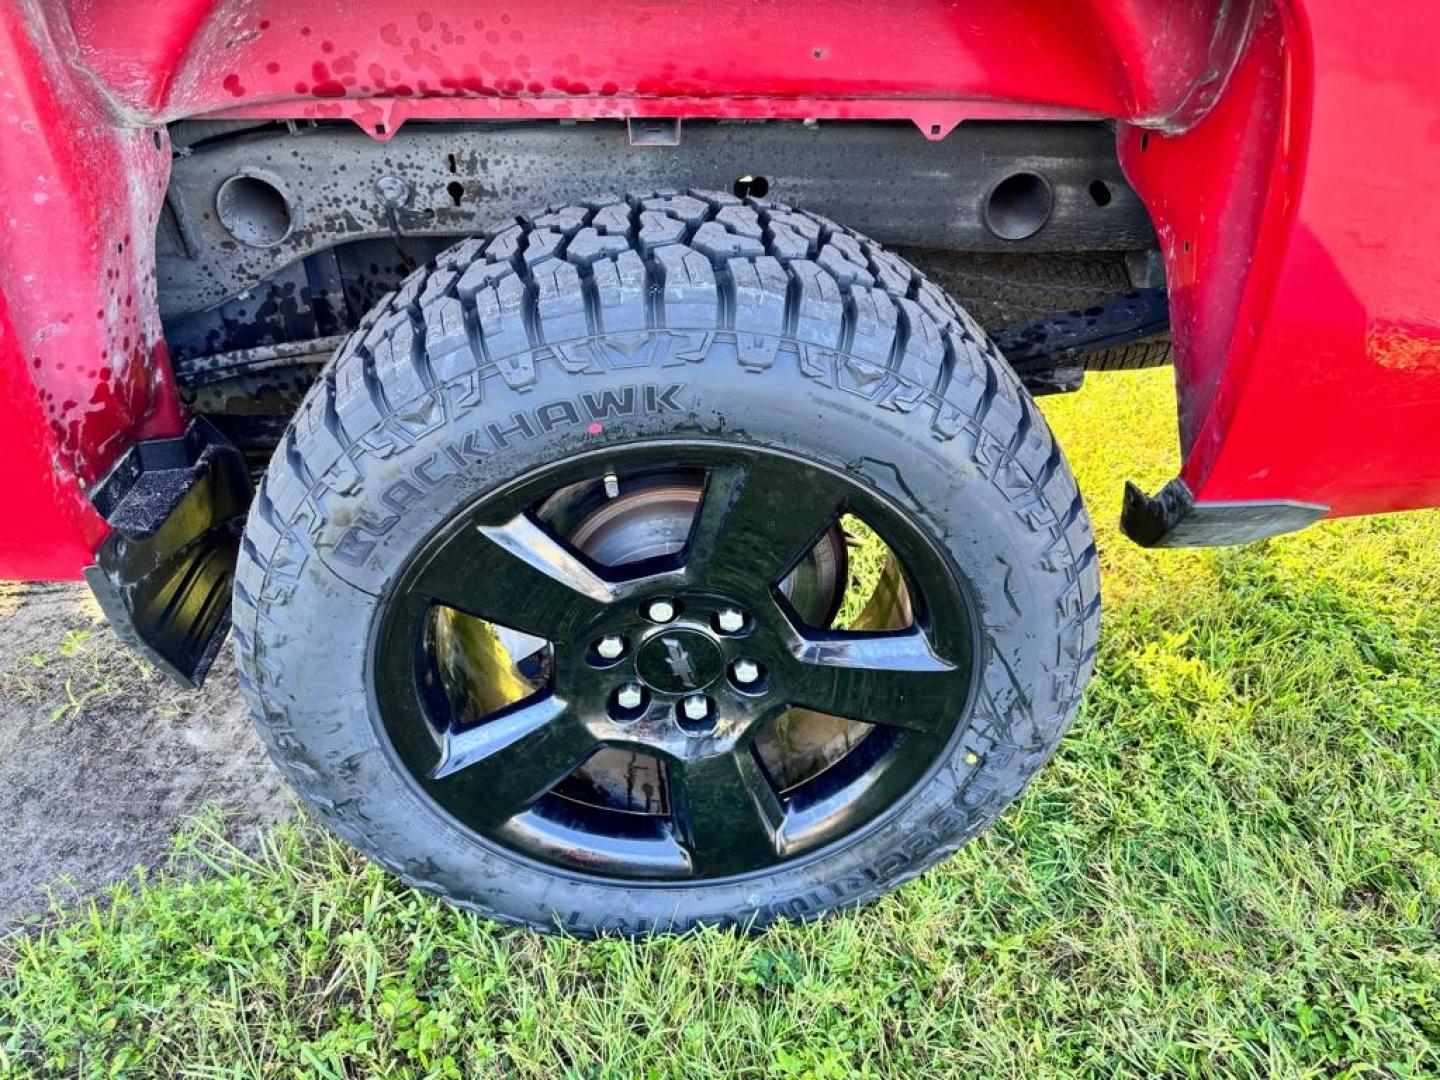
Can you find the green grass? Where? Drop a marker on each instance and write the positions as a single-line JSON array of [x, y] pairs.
[[1231, 867]]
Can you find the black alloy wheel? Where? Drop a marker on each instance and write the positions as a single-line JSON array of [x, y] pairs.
[[684, 654]]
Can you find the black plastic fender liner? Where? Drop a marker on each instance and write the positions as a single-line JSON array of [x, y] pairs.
[[1172, 518], [176, 508]]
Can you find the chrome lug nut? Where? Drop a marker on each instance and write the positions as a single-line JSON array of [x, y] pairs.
[[611, 647], [695, 707], [660, 611], [746, 672], [730, 620], [629, 696]]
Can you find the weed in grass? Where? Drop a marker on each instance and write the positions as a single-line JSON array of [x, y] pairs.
[[1232, 867]]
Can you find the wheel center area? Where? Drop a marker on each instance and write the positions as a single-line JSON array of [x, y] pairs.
[[677, 660]]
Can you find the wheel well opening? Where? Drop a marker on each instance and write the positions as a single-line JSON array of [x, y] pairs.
[[268, 252]]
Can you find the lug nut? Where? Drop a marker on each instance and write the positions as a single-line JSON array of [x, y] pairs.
[[629, 696], [730, 620], [610, 647], [745, 672], [660, 611], [696, 707]]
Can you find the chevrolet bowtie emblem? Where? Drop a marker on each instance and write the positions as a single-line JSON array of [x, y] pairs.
[[678, 660]]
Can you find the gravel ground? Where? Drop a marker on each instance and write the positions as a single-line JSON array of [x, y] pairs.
[[102, 759]]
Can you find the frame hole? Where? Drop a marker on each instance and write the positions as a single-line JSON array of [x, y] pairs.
[[1100, 193], [751, 187], [1019, 206], [456, 190], [255, 211]]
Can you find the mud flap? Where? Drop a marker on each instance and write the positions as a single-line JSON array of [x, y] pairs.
[[1172, 518], [176, 508]]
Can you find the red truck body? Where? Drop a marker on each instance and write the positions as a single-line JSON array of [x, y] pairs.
[[1286, 152]]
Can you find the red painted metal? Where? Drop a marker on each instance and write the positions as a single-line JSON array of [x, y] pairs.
[[1132, 58], [48, 530], [80, 197], [1292, 204], [1303, 241]]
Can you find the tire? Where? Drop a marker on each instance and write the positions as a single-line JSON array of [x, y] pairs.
[[727, 326]]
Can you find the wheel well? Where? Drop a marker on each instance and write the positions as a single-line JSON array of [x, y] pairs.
[[276, 238]]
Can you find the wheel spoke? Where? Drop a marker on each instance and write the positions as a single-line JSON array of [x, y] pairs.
[[511, 760], [726, 811], [891, 679], [755, 523], [518, 575]]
